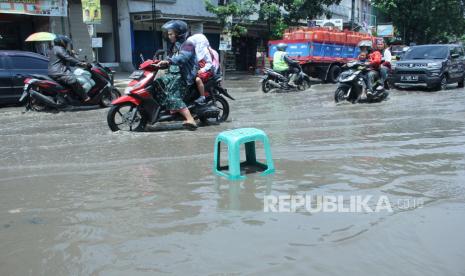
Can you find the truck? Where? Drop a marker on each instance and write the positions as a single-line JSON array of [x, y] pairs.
[[320, 51]]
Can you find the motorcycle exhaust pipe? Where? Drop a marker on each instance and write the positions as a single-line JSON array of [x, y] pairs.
[[44, 99], [273, 83]]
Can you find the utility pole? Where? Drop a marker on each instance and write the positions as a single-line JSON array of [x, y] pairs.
[[352, 16], [154, 24]]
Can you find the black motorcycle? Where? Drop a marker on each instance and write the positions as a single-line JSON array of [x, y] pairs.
[[275, 80], [43, 93], [353, 81]]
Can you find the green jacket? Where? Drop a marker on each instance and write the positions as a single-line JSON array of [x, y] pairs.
[[279, 64]]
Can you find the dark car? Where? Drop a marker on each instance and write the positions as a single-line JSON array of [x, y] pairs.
[[15, 66], [430, 66], [398, 51]]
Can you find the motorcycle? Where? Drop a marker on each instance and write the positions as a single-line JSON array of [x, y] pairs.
[[43, 93], [273, 79], [353, 81], [138, 107]]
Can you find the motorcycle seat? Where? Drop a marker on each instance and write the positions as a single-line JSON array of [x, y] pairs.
[[217, 78]]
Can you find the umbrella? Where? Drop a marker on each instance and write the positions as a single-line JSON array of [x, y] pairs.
[[41, 36]]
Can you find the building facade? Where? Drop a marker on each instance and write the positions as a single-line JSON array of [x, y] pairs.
[[363, 13], [15, 28]]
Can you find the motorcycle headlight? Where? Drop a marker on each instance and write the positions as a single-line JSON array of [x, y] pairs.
[[347, 75], [127, 90]]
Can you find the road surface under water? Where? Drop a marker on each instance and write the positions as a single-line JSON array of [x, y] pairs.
[[77, 199]]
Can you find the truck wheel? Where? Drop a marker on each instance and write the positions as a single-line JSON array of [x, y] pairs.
[[333, 74]]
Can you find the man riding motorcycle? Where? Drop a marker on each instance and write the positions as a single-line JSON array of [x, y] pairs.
[[386, 60], [59, 66], [183, 70], [282, 63], [374, 61]]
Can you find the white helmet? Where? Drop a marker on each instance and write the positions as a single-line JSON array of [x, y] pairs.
[[365, 43]]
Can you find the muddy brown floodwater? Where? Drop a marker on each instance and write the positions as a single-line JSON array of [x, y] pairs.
[[77, 199]]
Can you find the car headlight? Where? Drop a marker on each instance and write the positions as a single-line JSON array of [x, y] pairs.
[[435, 65]]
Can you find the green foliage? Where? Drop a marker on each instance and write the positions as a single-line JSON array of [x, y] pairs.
[[240, 12], [276, 14], [425, 21]]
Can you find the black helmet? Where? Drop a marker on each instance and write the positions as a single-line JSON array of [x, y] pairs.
[[281, 46], [180, 27], [62, 40]]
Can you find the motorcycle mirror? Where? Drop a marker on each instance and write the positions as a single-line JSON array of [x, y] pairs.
[[158, 53]]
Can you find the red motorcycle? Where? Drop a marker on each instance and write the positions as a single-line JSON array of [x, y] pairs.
[[137, 108], [42, 92]]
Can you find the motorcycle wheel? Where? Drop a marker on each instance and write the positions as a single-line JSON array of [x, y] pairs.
[[266, 86], [108, 98], [304, 85], [339, 94], [35, 105], [223, 105], [119, 118]]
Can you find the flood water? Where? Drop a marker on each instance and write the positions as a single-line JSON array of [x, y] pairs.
[[77, 199]]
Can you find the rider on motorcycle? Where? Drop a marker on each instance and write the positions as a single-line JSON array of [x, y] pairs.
[[374, 61], [176, 83], [59, 66], [386, 60], [282, 63]]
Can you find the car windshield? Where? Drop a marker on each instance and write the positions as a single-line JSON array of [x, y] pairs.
[[427, 52], [397, 48]]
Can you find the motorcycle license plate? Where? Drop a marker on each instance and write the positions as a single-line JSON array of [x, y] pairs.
[[409, 78]]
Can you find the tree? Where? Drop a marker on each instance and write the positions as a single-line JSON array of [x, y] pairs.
[[425, 21], [277, 14], [240, 12]]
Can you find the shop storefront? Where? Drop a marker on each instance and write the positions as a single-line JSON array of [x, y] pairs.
[[19, 19]]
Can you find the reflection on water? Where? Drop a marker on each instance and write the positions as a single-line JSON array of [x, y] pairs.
[[77, 199]]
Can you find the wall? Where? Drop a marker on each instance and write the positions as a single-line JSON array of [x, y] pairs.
[[191, 8], [105, 30], [80, 35]]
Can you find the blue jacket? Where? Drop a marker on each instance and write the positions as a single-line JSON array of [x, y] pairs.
[[187, 62]]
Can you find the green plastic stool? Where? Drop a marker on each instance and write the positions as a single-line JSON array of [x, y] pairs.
[[234, 139]]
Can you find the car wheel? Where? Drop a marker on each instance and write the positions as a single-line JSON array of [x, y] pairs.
[[461, 83], [443, 83]]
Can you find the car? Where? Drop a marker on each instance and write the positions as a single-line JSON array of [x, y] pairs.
[[397, 51], [430, 66], [15, 66]]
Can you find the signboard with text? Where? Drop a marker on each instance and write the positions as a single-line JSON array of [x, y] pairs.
[[91, 12], [385, 30], [225, 42], [97, 42], [35, 7], [334, 23]]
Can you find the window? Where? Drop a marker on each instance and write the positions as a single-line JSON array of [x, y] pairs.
[[427, 52], [24, 62]]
